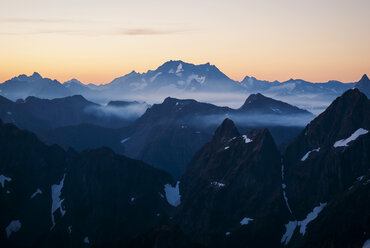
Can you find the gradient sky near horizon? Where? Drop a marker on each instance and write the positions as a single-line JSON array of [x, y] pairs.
[[96, 41]]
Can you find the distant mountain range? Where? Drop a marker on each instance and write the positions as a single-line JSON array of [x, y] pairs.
[[172, 78], [38, 114], [238, 190], [167, 135]]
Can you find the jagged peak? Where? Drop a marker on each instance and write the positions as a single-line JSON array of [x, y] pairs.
[[73, 81], [253, 98], [175, 101], [36, 75], [226, 130], [364, 77]]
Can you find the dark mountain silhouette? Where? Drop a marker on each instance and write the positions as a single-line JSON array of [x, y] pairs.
[[84, 136], [237, 190], [327, 158], [169, 134], [231, 190], [364, 85], [258, 103], [166, 136], [345, 221], [39, 114], [53, 198]]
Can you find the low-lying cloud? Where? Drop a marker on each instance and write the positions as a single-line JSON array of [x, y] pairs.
[[129, 112]]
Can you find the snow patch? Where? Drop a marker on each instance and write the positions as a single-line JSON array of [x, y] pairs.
[[366, 244], [38, 191], [291, 226], [173, 194], [276, 110], [125, 140], [199, 79], [227, 233], [360, 178], [155, 76], [310, 217], [283, 185], [86, 240], [308, 154], [14, 226], [246, 139], [227, 147], [3, 179], [366, 183], [354, 136], [179, 69], [245, 221], [132, 199], [218, 184], [286, 201], [56, 190]]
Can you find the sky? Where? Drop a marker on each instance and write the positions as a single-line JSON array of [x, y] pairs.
[[96, 41]]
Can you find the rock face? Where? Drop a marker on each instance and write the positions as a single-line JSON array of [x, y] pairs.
[[60, 199], [317, 168], [322, 163], [364, 85], [345, 221], [231, 191]]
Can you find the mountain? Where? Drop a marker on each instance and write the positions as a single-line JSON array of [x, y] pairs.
[[34, 85], [328, 157], [295, 87], [260, 104], [164, 136], [167, 135], [40, 114], [53, 198], [237, 190], [174, 76], [344, 222], [78, 88], [364, 85], [231, 192], [84, 136]]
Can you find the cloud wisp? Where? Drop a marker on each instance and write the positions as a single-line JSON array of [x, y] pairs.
[[82, 32]]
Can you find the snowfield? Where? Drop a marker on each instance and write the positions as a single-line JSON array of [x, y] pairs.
[[173, 194], [56, 191], [308, 154], [354, 136]]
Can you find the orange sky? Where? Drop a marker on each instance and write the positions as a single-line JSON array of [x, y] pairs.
[[96, 41]]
